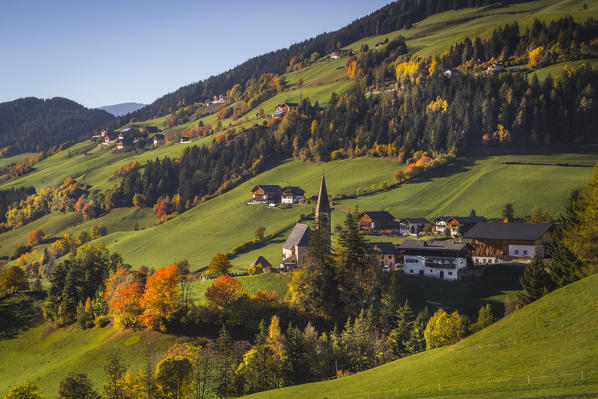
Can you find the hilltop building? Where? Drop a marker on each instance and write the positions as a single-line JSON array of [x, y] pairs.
[[295, 247]]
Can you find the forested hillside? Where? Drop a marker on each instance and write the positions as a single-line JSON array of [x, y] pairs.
[[394, 16], [33, 124]]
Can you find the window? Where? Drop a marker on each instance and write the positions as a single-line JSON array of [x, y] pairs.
[[450, 273], [525, 252], [516, 252], [489, 260], [411, 271]]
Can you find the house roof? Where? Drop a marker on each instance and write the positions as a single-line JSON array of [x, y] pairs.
[[261, 261], [266, 188], [383, 247], [508, 231], [378, 215], [415, 220], [433, 245], [294, 190], [442, 219], [126, 130], [298, 237], [158, 136], [323, 206]]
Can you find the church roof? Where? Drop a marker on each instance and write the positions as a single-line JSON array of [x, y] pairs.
[[298, 237], [323, 206]]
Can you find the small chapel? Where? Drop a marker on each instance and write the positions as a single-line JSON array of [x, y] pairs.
[[295, 247]]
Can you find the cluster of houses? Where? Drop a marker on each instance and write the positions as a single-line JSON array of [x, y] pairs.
[[338, 53], [220, 99], [274, 195], [450, 258], [487, 243], [128, 138], [282, 109]]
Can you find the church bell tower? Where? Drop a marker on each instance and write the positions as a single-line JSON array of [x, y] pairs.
[[323, 211]]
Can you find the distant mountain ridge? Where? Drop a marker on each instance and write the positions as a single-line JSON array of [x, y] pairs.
[[122, 108], [33, 124]]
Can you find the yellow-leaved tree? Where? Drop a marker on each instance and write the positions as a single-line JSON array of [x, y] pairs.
[[444, 329]]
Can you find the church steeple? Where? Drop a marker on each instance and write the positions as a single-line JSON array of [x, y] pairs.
[[323, 211]]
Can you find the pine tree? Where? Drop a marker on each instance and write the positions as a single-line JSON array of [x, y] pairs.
[[535, 282], [400, 334], [417, 341]]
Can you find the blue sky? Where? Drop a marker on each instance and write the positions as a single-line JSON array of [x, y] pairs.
[[112, 51]]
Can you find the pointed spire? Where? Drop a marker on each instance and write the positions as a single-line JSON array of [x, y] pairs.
[[323, 206]]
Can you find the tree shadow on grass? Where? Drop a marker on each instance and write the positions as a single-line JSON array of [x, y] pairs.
[[19, 312]]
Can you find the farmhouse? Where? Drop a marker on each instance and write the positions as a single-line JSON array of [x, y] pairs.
[[444, 260], [385, 254], [414, 225], [124, 144], [499, 242], [376, 220], [496, 67], [453, 223], [292, 195], [450, 72], [266, 194], [109, 137], [294, 249], [158, 139]]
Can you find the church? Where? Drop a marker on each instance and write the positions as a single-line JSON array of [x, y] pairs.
[[294, 249]]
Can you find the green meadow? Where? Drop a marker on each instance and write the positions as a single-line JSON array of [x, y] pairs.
[[539, 351], [251, 284]]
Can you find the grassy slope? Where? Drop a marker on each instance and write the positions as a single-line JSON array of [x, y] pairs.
[[251, 284], [556, 336], [44, 355], [219, 225], [438, 32], [555, 70], [485, 185]]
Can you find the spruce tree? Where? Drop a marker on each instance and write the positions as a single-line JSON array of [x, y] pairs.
[[535, 282], [400, 334]]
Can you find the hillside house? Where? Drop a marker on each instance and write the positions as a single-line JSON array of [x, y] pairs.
[[220, 99], [294, 249], [185, 140], [158, 139], [338, 53], [450, 72], [376, 221], [444, 260], [496, 67], [385, 254], [500, 242], [452, 223], [415, 225], [110, 137], [292, 195], [267, 194], [124, 144]]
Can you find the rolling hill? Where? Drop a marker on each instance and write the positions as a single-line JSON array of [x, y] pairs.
[[547, 349], [33, 124], [122, 109]]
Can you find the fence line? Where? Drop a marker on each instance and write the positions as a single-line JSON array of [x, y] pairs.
[[582, 376]]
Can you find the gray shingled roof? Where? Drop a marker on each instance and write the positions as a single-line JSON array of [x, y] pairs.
[[508, 231], [440, 245], [299, 236], [378, 215], [261, 261], [384, 247], [267, 188], [469, 219]]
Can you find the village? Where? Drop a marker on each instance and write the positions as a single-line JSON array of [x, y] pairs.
[[461, 245]]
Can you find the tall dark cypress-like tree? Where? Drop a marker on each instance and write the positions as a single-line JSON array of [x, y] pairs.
[[535, 282]]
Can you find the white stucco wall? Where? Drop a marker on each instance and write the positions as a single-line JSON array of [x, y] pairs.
[[413, 265]]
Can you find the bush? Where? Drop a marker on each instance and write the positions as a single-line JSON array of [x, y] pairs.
[[101, 321]]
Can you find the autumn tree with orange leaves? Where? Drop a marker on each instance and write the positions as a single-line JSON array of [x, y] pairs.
[[225, 291], [123, 296], [160, 297]]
